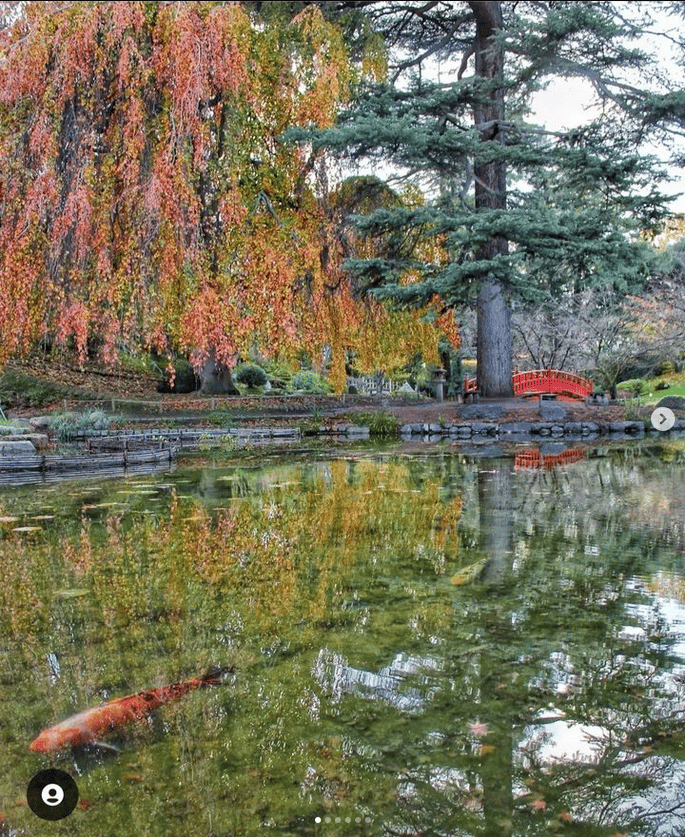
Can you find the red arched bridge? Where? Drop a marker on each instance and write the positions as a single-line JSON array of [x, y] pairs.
[[535, 459], [542, 382]]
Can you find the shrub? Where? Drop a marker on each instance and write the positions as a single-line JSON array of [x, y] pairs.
[[309, 381], [221, 417], [635, 386], [662, 385], [20, 390], [185, 377], [251, 376], [379, 423], [279, 374], [666, 367], [67, 426]]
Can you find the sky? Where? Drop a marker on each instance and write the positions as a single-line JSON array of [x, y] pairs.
[[564, 104], [568, 102]]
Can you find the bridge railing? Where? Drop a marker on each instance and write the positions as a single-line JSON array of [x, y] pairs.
[[535, 459], [542, 382]]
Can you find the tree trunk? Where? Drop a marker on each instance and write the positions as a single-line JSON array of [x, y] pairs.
[[494, 696], [217, 378], [496, 513], [494, 324], [494, 341]]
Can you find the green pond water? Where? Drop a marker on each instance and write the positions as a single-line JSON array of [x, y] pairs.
[[425, 643]]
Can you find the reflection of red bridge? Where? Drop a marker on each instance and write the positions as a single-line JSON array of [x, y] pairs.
[[535, 459], [542, 382]]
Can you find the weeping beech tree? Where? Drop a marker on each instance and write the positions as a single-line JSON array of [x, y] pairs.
[[146, 200], [513, 206]]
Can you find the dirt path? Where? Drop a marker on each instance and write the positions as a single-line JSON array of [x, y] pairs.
[[129, 394]]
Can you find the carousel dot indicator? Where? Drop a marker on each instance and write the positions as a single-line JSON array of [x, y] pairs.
[[348, 819]]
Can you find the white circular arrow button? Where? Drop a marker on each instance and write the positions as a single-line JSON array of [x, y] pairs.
[[663, 418]]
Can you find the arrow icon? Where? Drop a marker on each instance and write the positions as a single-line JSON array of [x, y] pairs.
[[663, 418]]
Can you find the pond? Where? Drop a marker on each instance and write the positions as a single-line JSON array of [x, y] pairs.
[[425, 643]]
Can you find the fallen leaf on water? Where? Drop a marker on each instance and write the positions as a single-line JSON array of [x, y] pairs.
[[469, 573], [478, 729], [485, 749], [537, 805], [564, 816]]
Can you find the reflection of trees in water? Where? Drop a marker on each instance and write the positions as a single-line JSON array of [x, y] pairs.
[[366, 677], [568, 622], [445, 731], [637, 790], [613, 490], [544, 626]]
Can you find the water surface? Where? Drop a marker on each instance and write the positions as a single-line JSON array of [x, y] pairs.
[[425, 643]]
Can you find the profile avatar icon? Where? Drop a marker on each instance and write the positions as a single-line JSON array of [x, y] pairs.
[[52, 794]]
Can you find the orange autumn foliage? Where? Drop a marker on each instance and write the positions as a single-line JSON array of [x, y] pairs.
[[147, 200]]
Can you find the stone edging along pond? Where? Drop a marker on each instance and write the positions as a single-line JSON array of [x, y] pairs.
[[25, 452], [574, 429]]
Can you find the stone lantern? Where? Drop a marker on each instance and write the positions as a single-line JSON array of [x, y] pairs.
[[439, 380]]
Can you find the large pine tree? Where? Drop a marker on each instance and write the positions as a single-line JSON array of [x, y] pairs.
[[511, 202]]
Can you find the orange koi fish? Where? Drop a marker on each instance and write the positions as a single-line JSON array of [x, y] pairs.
[[91, 725]]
